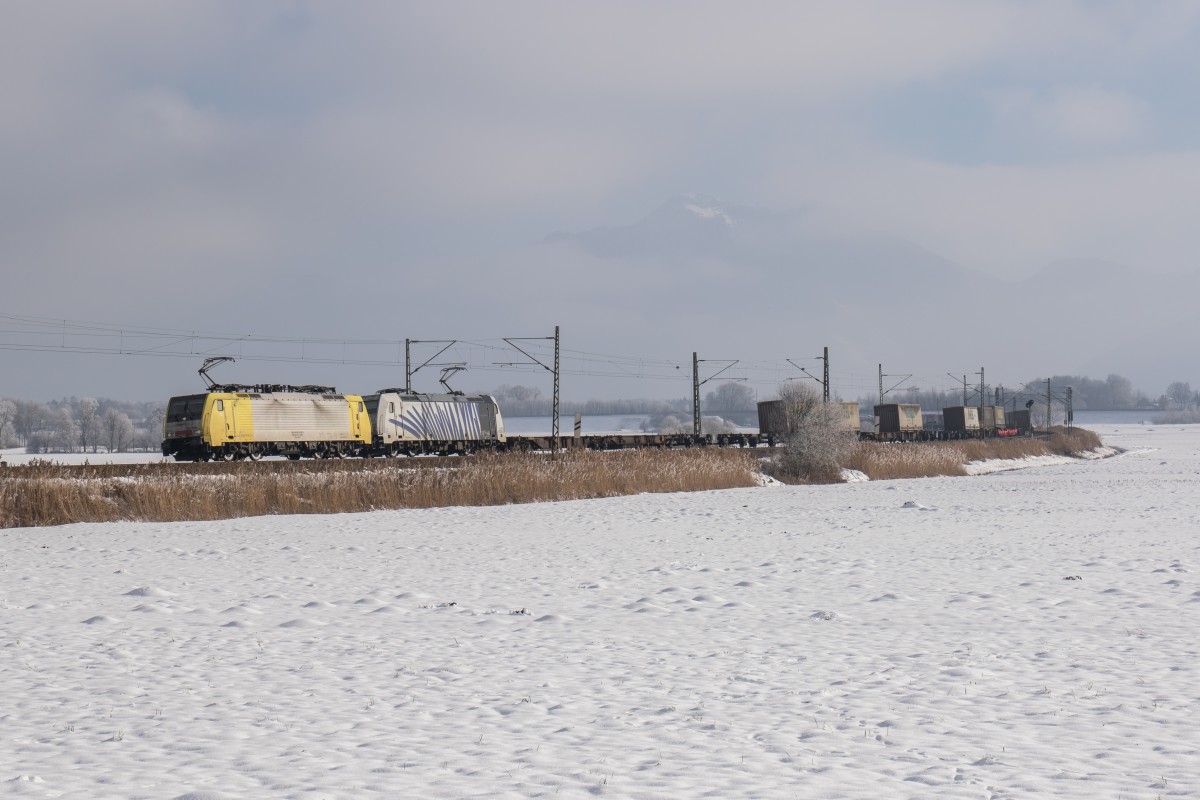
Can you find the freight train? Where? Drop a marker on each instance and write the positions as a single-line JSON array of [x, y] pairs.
[[906, 422], [234, 422], [231, 423]]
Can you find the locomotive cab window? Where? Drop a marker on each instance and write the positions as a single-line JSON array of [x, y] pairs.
[[220, 405], [182, 409]]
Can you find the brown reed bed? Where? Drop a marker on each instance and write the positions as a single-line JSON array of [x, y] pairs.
[[889, 460], [55, 495]]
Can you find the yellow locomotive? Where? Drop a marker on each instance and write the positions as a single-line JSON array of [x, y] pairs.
[[257, 421], [231, 422]]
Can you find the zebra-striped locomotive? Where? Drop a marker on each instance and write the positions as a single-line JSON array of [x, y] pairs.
[[407, 423]]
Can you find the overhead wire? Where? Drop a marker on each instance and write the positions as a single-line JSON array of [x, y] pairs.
[[22, 332]]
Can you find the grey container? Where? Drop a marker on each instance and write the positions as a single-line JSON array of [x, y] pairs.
[[961, 419], [899, 417]]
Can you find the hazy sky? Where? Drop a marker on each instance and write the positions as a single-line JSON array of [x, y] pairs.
[[328, 169]]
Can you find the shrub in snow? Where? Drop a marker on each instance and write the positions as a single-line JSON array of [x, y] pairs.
[[816, 446]]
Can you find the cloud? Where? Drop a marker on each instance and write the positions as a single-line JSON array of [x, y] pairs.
[[1073, 115], [1011, 219], [144, 139]]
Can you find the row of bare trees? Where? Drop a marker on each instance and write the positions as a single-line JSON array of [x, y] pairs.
[[82, 424]]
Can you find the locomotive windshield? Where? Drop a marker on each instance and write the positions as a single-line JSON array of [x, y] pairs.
[[182, 409]]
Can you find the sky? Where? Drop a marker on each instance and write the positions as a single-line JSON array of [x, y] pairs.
[[379, 170]]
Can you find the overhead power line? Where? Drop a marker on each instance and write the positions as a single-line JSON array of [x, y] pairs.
[[22, 332]]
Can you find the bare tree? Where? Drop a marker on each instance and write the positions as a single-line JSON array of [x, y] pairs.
[[31, 417], [64, 432], [149, 432], [1180, 395], [816, 445], [1120, 392], [8, 413], [87, 418], [118, 431], [730, 397]]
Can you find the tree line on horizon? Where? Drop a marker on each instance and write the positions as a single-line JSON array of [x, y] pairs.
[[1113, 393], [86, 424], [81, 425]]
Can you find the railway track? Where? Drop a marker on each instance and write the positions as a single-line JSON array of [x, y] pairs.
[[248, 468]]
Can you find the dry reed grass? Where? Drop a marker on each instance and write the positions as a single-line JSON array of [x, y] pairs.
[[47, 495], [891, 460], [881, 461]]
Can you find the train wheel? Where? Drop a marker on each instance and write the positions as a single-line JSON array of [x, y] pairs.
[[256, 452], [227, 454]]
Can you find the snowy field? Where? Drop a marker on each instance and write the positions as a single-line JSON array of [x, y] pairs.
[[1019, 634], [16, 456]]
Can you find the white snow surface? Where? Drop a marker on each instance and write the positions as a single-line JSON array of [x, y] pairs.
[[1021, 634], [17, 455]]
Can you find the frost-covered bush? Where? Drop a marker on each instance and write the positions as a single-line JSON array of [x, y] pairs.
[[816, 446]]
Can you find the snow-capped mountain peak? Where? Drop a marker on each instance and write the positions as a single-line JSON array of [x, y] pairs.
[[707, 207]]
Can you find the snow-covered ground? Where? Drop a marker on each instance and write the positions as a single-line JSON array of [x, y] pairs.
[[1020, 634], [17, 455]]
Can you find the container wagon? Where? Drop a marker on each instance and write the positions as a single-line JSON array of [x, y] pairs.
[[847, 417], [772, 420], [961, 422], [899, 421], [1019, 419], [773, 423]]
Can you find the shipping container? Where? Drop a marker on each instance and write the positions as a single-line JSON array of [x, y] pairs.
[[961, 419], [772, 418], [902, 418], [1020, 419], [772, 421], [847, 417]]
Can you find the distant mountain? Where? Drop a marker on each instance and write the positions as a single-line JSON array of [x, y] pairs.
[[685, 223], [882, 298], [768, 244]]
